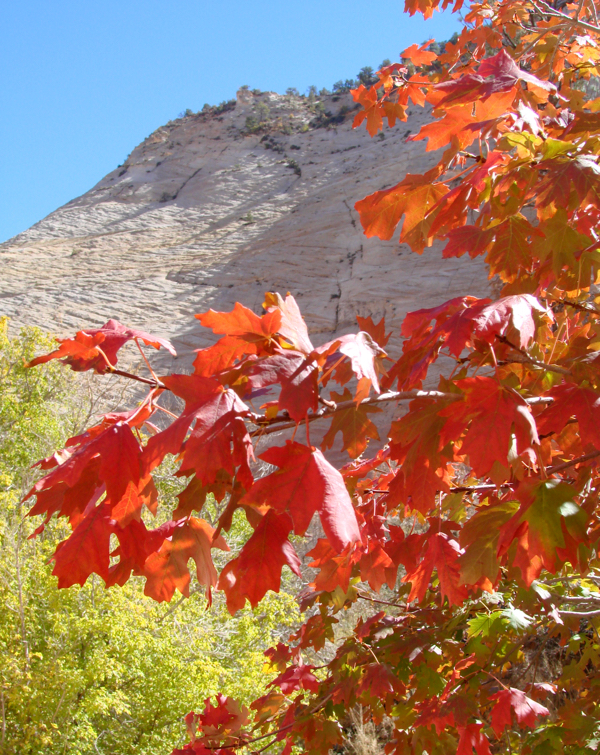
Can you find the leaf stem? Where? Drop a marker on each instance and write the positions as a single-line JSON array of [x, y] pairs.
[[148, 365], [131, 376]]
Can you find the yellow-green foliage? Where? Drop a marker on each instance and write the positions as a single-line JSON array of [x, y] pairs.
[[87, 670]]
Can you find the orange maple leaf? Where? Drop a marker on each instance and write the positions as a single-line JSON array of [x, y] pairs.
[[419, 55], [372, 109]]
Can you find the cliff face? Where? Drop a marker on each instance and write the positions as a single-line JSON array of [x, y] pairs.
[[204, 213]]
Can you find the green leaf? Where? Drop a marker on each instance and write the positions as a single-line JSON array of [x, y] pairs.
[[516, 619], [479, 538], [552, 505], [484, 624]]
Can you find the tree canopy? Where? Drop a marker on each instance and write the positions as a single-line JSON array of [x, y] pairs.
[[87, 670], [471, 530]]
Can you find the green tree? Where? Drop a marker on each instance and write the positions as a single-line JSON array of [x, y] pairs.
[[90, 670]]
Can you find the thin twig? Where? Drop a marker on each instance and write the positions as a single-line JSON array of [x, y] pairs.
[[567, 464], [549, 11], [148, 365], [582, 614], [581, 306], [282, 421], [131, 376], [3, 738], [535, 362], [492, 486], [375, 600]]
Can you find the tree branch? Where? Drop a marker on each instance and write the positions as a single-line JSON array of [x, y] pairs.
[[283, 421], [572, 463], [582, 307], [131, 376], [583, 614], [529, 359], [548, 10]]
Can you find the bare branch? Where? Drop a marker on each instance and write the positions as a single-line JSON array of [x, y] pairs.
[[572, 463], [131, 376], [527, 358]]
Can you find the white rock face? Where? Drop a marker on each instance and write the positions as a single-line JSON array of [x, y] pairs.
[[203, 214]]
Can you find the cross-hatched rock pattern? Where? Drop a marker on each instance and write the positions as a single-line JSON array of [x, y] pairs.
[[222, 206]]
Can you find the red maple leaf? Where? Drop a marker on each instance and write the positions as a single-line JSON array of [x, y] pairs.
[[218, 441], [380, 683], [442, 553], [354, 424], [450, 129], [242, 323], [468, 239], [375, 330], [503, 75], [335, 569], [109, 461], [297, 376], [258, 567], [513, 317], [488, 419], [87, 349], [130, 505], [296, 677], [376, 567], [305, 483], [415, 442], [573, 400], [166, 569], [69, 500], [548, 527], [86, 550], [413, 197], [568, 180], [526, 710], [244, 333], [292, 328], [136, 543], [193, 497], [472, 738], [365, 356], [394, 111], [222, 723], [427, 331]]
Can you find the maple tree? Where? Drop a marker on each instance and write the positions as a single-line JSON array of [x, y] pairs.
[[475, 526]]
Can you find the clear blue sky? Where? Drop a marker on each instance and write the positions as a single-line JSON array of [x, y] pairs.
[[84, 82]]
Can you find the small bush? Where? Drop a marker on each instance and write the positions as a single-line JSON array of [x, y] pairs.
[[343, 87], [295, 167], [366, 76], [259, 120], [225, 106]]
